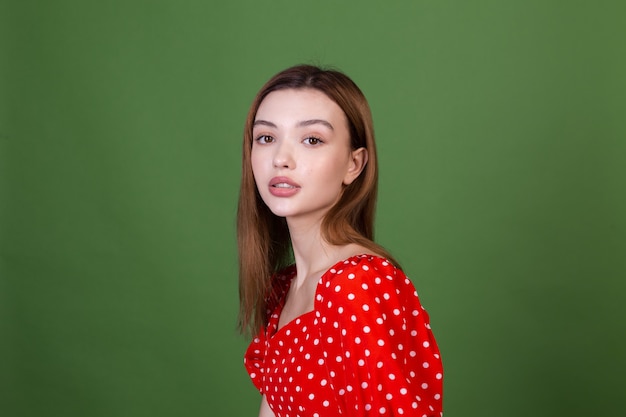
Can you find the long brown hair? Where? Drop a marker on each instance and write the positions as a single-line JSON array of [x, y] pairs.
[[263, 238]]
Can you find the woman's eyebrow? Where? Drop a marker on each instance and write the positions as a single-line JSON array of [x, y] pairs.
[[315, 122], [264, 123], [303, 123]]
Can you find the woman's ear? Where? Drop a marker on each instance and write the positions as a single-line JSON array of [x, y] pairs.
[[358, 160]]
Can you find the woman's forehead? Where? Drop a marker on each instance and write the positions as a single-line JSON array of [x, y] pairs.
[[299, 105]]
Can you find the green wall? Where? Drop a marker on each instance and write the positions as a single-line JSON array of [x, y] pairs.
[[502, 135]]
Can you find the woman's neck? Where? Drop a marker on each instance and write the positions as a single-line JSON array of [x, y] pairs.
[[313, 254]]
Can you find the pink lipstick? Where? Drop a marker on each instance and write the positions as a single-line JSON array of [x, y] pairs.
[[283, 187]]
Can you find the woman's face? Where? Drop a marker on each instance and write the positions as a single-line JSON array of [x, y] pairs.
[[301, 156]]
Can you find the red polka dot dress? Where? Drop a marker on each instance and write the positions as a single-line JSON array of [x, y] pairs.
[[366, 349]]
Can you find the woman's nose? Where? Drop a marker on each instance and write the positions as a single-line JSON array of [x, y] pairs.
[[283, 157]]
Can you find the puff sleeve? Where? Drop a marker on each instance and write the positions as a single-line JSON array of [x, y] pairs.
[[381, 355], [256, 353], [254, 360]]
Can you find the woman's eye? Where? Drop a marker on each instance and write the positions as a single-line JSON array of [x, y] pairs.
[[264, 139], [312, 140]]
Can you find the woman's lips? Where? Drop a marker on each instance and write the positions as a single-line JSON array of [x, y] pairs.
[[283, 187]]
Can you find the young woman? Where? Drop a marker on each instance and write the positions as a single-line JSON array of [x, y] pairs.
[[339, 329]]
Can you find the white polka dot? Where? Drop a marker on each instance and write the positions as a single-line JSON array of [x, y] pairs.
[[424, 385], [311, 396], [392, 376], [351, 296], [364, 384], [403, 391], [325, 403], [337, 288], [364, 286], [381, 342], [366, 329], [437, 396], [438, 376], [382, 410], [366, 307], [426, 344], [351, 276]]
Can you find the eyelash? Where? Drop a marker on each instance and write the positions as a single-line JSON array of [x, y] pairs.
[[263, 139], [315, 138]]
